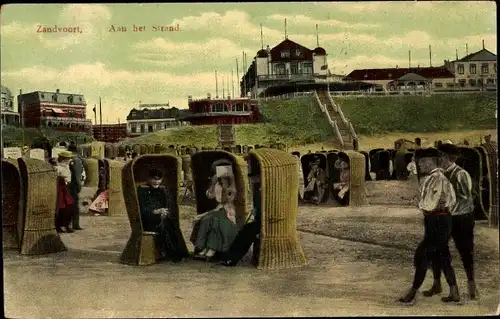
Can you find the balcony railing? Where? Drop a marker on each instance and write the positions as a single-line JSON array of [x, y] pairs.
[[66, 120], [274, 77]]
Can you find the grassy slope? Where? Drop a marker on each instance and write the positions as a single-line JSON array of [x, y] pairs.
[[438, 113], [14, 136]]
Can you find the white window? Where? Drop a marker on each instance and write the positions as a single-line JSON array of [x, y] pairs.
[[460, 69], [285, 53], [472, 68]]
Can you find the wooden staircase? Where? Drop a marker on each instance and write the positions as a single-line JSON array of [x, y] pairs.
[[344, 130], [226, 136]]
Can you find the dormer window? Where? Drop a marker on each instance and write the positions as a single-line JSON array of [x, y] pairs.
[[80, 99], [285, 53], [298, 53], [70, 99], [54, 98], [42, 96]]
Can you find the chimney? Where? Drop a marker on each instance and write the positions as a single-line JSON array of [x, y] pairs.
[[20, 92], [483, 44], [57, 90], [209, 96], [466, 49], [190, 98]]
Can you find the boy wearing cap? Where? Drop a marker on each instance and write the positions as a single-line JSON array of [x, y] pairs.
[[437, 198], [462, 218]]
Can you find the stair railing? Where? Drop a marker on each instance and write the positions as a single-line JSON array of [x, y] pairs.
[[321, 106], [332, 123], [342, 116], [337, 131]]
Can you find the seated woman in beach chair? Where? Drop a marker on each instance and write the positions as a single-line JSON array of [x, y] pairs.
[[341, 189], [249, 233], [317, 182], [215, 230], [155, 205]]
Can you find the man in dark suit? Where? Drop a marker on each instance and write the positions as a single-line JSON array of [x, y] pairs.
[[76, 184]]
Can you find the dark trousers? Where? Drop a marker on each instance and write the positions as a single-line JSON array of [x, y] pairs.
[[434, 248], [463, 236], [243, 241], [75, 216]]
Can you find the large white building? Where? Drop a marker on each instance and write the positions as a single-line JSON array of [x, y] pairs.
[[287, 62], [475, 70]]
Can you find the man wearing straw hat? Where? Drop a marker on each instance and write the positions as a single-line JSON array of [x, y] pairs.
[[437, 198], [316, 181], [462, 219]]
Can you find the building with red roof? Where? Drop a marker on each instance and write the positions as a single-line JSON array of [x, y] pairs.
[[287, 62]]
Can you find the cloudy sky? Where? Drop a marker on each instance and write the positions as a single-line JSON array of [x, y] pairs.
[[125, 68]]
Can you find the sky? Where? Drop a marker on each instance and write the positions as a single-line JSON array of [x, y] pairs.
[[128, 68]]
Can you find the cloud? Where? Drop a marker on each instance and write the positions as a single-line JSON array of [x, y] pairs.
[[92, 20], [163, 52], [128, 88], [302, 20], [234, 23], [17, 31], [380, 6]]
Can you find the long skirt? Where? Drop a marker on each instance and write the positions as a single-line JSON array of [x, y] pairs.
[[214, 231]]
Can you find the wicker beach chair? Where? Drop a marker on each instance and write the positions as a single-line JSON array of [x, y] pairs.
[[383, 159], [136, 148], [142, 247], [122, 151], [470, 160], [37, 221], [490, 153], [12, 204], [108, 151], [305, 161], [279, 243], [144, 149], [333, 174], [374, 160], [91, 166], [116, 150], [402, 159], [237, 149], [201, 165], [357, 167], [97, 149], [368, 177], [116, 202], [150, 148]]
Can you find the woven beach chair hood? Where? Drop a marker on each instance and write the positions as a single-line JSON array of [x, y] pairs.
[[39, 234], [116, 202], [357, 167], [140, 248], [491, 158], [279, 241]]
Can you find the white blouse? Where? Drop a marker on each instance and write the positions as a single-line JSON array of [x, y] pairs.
[[436, 192], [63, 170]]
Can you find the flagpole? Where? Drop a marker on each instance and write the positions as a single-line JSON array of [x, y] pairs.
[[100, 114], [238, 76], [95, 115], [232, 80], [22, 123]]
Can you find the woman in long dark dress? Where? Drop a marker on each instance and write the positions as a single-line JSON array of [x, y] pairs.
[[158, 215]]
